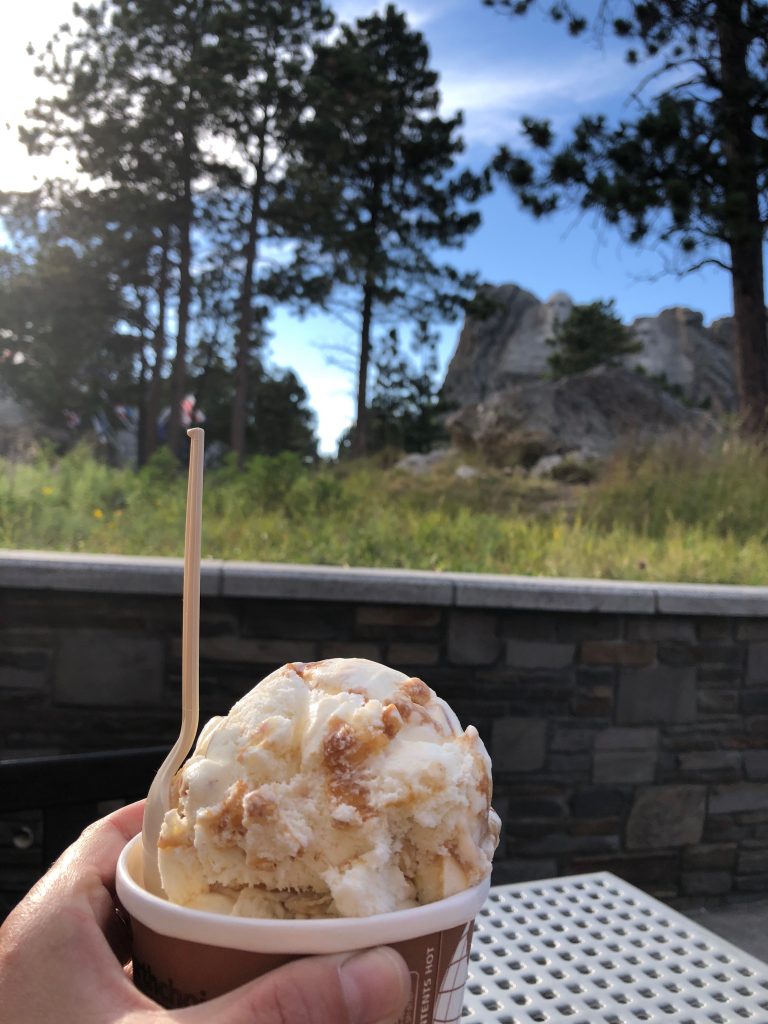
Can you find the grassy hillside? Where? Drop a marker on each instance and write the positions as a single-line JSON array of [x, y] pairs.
[[672, 514]]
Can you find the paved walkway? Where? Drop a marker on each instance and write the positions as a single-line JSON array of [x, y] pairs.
[[743, 924]]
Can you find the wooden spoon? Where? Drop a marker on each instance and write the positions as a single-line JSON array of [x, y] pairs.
[[159, 797]]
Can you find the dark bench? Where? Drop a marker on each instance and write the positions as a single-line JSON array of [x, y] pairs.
[[45, 802]]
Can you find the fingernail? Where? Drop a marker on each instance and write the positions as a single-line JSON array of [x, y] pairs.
[[376, 985]]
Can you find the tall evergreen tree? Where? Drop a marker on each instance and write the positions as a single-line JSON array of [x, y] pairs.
[[132, 100], [407, 409], [691, 169], [591, 335], [278, 415], [373, 190], [261, 61], [64, 309]]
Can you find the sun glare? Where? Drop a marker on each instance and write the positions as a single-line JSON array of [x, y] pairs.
[[19, 88]]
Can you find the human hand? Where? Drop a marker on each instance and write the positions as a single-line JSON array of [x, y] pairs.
[[64, 947]]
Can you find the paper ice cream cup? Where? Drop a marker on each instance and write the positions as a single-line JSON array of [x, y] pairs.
[[182, 956]]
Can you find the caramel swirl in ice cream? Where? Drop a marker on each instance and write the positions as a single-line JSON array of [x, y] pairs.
[[333, 788]]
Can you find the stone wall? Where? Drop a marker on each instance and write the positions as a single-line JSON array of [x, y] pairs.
[[628, 723]]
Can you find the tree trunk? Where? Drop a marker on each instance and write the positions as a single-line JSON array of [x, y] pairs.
[[750, 333], [742, 217], [143, 368], [360, 436], [179, 372], [359, 444], [152, 407], [243, 344]]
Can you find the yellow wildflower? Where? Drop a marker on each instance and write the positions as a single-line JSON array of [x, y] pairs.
[[98, 514], [47, 490]]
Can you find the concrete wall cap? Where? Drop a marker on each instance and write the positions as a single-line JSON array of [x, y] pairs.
[[709, 599], [43, 570], [117, 574], [335, 583], [481, 590]]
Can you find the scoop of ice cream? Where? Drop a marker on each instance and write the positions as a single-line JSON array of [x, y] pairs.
[[337, 788]]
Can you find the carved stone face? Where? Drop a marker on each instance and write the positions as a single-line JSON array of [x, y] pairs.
[[645, 333], [559, 307]]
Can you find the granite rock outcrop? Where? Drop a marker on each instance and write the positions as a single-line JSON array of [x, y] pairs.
[[19, 431], [587, 413], [506, 404]]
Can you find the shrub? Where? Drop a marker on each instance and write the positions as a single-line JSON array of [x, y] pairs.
[[592, 335]]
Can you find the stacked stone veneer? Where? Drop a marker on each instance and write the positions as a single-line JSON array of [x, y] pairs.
[[628, 723]]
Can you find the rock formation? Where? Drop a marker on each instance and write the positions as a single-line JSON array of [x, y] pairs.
[[587, 413], [18, 430], [507, 346], [507, 405], [680, 351]]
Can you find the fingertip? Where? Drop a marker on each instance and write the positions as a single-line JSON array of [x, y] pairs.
[[376, 985], [128, 819], [369, 987]]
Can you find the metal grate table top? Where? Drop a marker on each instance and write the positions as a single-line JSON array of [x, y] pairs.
[[593, 949]]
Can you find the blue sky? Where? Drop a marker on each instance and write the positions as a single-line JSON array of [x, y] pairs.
[[495, 68]]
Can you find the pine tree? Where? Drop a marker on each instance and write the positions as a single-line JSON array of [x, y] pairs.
[[132, 101], [373, 193], [278, 415], [260, 64], [691, 169], [407, 408], [62, 297], [591, 335]]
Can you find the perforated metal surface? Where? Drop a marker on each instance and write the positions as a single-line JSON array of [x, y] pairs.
[[592, 949]]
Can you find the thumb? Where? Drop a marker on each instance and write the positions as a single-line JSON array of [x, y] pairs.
[[371, 987]]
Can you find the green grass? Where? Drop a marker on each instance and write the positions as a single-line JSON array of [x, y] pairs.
[[673, 513]]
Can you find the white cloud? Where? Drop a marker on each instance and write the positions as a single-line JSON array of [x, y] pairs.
[[494, 98], [418, 14]]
